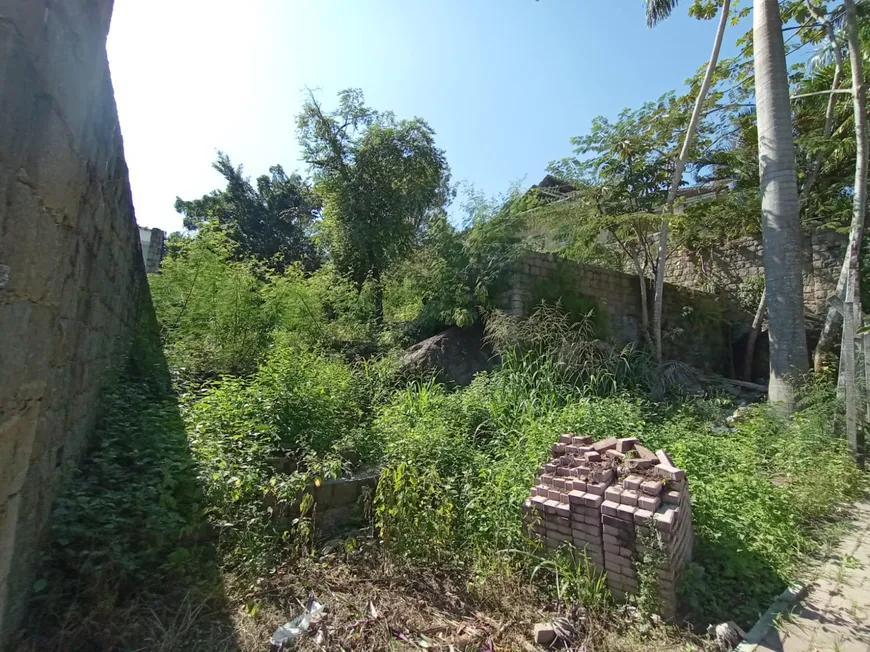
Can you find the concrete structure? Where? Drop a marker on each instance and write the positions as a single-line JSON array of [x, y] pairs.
[[622, 504], [151, 241], [71, 271]]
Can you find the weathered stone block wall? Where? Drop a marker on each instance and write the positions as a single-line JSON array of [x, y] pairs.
[[693, 321], [620, 503], [151, 241], [726, 267], [71, 271]]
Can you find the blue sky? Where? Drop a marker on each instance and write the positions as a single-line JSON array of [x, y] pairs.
[[504, 83]]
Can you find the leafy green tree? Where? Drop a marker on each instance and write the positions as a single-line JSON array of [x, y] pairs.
[[656, 11], [380, 178], [271, 222], [624, 169]]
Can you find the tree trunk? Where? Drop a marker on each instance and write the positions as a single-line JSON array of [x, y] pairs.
[[644, 302], [780, 213], [852, 312], [753, 336], [379, 298], [677, 177], [833, 318]]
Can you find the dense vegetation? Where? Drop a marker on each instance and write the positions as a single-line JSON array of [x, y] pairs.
[[275, 365]]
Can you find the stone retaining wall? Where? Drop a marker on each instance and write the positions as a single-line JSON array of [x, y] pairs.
[[620, 503], [695, 324], [71, 271], [338, 503], [727, 267]]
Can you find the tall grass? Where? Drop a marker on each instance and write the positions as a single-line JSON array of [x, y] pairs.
[[459, 465]]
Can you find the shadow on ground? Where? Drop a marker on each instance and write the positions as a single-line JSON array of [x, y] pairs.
[[129, 562]]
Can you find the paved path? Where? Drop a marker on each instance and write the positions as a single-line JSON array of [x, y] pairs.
[[835, 615]]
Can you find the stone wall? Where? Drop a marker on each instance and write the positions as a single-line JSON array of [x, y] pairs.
[[694, 323], [726, 268], [71, 270]]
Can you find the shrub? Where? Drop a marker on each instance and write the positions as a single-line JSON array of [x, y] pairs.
[[245, 432], [458, 467], [210, 308]]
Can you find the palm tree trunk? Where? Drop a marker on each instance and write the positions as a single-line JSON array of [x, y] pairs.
[[753, 336], [780, 211], [677, 177]]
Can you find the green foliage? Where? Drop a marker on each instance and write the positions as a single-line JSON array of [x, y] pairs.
[[379, 178], [210, 308], [761, 496], [271, 223], [432, 288], [128, 527], [571, 578], [323, 306], [131, 501], [245, 432], [458, 467]]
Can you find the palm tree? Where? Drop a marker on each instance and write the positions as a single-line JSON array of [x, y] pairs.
[[780, 218], [656, 11]]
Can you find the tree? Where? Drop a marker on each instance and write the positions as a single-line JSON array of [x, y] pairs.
[[626, 179], [272, 222], [380, 179], [657, 10], [780, 209]]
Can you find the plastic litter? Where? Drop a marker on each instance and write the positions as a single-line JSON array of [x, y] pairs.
[[296, 627]]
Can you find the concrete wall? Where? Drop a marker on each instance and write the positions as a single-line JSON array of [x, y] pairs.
[[152, 248], [694, 328], [71, 269], [725, 268]]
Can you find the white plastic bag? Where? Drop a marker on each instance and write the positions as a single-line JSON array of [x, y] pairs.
[[296, 627]]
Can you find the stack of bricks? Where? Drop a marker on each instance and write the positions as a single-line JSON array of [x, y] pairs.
[[615, 499]]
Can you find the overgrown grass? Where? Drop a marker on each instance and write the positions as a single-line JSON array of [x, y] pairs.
[[458, 466], [180, 499]]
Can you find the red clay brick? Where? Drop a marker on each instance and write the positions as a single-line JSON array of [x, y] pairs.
[[603, 475], [648, 502], [651, 487], [613, 493], [593, 501], [575, 497], [632, 482], [629, 497], [671, 497], [597, 488], [670, 472], [664, 458], [626, 444], [642, 516], [604, 444]]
